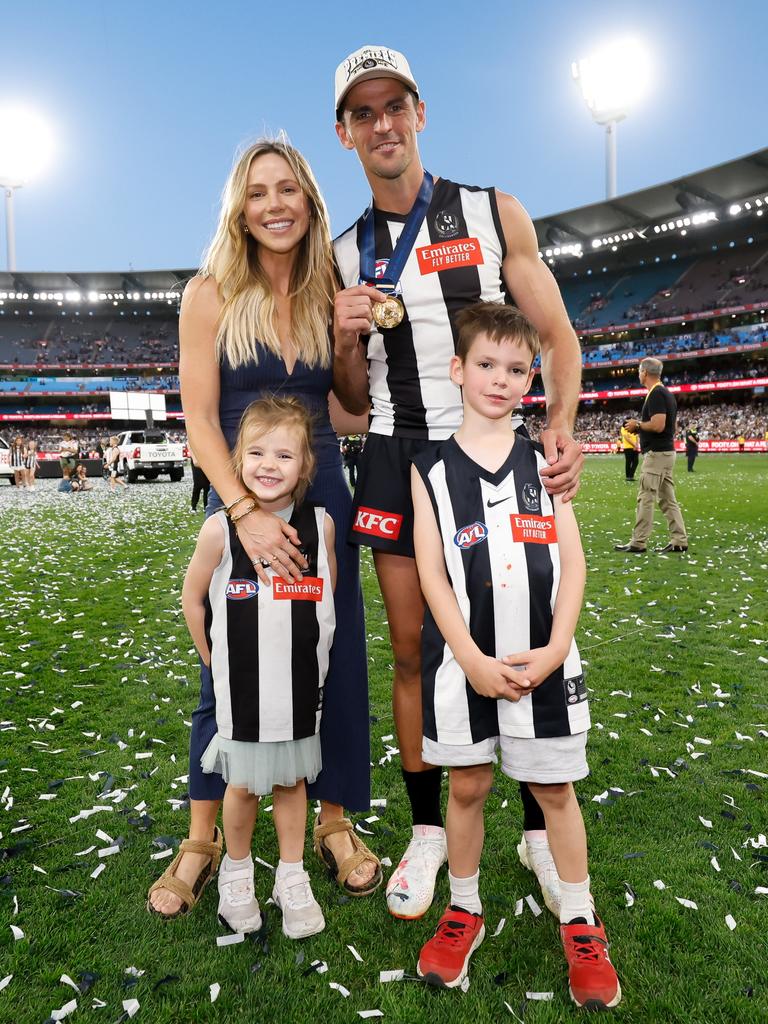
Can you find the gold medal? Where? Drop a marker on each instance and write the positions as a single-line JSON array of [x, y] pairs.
[[389, 313]]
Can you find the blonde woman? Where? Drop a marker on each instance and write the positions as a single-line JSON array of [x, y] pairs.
[[255, 322]]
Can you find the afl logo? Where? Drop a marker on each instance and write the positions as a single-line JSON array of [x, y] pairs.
[[470, 535], [241, 590]]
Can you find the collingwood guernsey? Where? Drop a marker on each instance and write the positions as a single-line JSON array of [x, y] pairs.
[[500, 546], [455, 261], [270, 645]]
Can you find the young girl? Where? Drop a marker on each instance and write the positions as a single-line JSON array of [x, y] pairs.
[[18, 460], [31, 463], [267, 647], [112, 463]]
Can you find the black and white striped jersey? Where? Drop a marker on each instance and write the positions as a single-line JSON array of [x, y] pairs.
[[502, 558], [455, 261], [270, 645]]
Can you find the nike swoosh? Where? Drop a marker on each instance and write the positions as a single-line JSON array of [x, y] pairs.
[[491, 504]]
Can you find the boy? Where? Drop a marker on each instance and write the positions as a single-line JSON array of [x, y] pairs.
[[502, 570]]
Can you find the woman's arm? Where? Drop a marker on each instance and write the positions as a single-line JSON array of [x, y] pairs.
[[329, 531], [207, 555], [262, 534]]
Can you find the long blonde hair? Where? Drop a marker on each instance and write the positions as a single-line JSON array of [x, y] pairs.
[[261, 417], [249, 312]]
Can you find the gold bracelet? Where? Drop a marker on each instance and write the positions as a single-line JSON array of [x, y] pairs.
[[243, 497], [242, 515]]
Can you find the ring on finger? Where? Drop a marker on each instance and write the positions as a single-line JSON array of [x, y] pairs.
[[265, 563]]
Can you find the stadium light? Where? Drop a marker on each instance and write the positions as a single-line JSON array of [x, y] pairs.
[[25, 147], [611, 82]]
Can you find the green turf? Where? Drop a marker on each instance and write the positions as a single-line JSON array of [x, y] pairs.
[[89, 599]]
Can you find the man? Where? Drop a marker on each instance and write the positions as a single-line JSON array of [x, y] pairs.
[[691, 445], [657, 443], [351, 450], [449, 246]]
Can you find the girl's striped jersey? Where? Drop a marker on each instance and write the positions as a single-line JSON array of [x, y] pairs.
[[455, 261], [270, 644], [502, 558]]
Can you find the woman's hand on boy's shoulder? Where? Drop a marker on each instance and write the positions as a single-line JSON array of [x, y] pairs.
[[490, 677], [536, 665]]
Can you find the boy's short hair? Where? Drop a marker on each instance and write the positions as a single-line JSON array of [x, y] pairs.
[[499, 322]]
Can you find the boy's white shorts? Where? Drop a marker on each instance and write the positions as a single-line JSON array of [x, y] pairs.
[[550, 759]]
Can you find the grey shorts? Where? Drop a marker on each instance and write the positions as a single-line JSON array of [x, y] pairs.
[[547, 760]]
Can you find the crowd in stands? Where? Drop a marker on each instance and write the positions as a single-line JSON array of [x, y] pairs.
[[80, 385], [694, 342], [78, 343]]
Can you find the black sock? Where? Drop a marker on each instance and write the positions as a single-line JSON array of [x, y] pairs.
[[424, 794], [533, 816]]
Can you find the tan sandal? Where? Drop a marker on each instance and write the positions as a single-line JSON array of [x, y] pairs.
[[362, 854], [190, 895]]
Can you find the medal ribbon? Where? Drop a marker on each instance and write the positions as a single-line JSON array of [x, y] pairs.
[[398, 259]]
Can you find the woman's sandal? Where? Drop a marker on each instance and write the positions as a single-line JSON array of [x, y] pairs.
[[362, 854], [190, 895]]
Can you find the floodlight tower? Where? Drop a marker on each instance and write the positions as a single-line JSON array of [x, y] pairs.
[[611, 82], [25, 145]]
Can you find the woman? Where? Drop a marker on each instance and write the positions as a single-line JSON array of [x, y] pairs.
[[253, 322]]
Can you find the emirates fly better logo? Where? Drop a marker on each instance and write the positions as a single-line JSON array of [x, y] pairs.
[[533, 529]]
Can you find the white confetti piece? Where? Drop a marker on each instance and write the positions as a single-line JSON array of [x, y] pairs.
[[161, 854], [65, 1010], [705, 822], [366, 1014], [97, 1004], [630, 899], [499, 927], [264, 864], [214, 989], [386, 976], [386, 862], [518, 908], [108, 851], [83, 853], [66, 980], [658, 884], [97, 871], [761, 890], [464, 986], [729, 920], [339, 988], [714, 862], [131, 1006], [535, 908], [355, 954], [5, 982], [687, 903], [104, 837], [320, 966], [542, 996], [17, 932], [230, 940]]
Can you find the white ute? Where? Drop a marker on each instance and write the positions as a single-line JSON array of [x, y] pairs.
[[149, 453]]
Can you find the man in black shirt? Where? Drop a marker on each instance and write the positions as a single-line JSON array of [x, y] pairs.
[[691, 445], [657, 443]]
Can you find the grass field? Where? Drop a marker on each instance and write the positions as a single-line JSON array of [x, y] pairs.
[[98, 684]]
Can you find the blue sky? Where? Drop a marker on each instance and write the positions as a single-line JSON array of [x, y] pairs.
[[150, 100]]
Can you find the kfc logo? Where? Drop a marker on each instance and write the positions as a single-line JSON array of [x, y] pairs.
[[533, 529], [470, 535], [308, 589], [241, 590], [378, 523]]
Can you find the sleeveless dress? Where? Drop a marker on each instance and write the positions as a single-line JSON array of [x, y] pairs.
[[344, 727]]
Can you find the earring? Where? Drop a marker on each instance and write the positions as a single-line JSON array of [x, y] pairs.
[[245, 229]]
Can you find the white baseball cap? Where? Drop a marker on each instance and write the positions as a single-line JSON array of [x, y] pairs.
[[371, 62]]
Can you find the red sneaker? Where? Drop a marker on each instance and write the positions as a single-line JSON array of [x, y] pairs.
[[592, 979], [444, 960]]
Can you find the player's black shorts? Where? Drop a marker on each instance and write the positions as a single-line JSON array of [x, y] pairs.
[[382, 505]]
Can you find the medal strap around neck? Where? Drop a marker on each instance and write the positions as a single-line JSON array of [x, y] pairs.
[[398, 259]]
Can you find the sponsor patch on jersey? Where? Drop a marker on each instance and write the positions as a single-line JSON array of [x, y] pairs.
[[460, 252], [378, 523], [533, 529], [241, 590], [575, 689], [468, 536], [531, 497], [308, 589]]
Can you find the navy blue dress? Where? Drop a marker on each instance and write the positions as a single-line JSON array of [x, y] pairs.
[[344, 727]]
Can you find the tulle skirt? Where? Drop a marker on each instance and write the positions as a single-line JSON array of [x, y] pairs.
[[259, 767]]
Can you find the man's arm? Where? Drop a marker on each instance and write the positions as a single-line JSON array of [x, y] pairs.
[[536, 293], [352, 317]]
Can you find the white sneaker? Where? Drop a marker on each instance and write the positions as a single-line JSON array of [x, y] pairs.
[[238, 906], [302, 915], [537, 857], [411, 886]]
